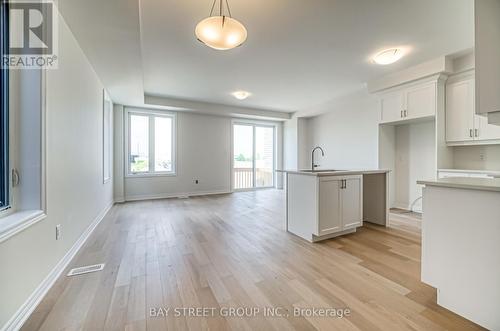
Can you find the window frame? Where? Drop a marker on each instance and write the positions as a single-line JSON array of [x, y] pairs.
[[254, 124], [151, 115], [6, 190], [22, 213], [107, 138]]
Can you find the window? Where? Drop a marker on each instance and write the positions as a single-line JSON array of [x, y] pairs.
[[4, 111], [151, 143]]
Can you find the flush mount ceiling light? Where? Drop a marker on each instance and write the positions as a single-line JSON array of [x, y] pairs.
[[388, 56], [241, 95], [221, 32]]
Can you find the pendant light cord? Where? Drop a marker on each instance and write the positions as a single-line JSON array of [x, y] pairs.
[[212, 10], [228, 9], [221, 8]]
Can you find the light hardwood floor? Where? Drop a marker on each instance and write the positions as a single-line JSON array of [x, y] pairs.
[[230, 251]]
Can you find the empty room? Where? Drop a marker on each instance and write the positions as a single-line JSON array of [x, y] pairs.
[[249, 165]]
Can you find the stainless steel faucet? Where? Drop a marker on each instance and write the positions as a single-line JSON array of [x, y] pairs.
[[313, 166]]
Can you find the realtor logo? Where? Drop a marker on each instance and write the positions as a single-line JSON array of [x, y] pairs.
[[32, 34]]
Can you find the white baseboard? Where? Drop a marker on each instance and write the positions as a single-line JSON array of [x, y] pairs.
[[24, 312], [173, 195], [404, 219], [401, 205]]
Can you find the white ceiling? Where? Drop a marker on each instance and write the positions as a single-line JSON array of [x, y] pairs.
[[298, 54]]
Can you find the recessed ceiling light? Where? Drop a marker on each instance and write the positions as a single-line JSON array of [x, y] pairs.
[[388, 56], [241, 95]]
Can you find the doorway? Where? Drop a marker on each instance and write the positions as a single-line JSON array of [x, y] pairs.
[[253, 156]]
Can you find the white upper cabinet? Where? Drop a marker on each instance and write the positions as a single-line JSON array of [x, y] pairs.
[[391, 107], [409, 102], [463, 126], [421, 101], [459, 111], [487, 132], [487, 55]]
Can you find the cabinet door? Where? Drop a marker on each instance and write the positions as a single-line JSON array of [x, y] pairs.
[[329, 206], [421, 101], [391, 106], [482, 129], [486, 50], [486, 131], [352, 202], [459, 111]]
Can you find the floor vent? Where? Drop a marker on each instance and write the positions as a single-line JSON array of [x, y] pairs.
[[86, 269]]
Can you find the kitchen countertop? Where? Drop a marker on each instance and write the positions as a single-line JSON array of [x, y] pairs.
[[327, 172], [488, 172], [483, 184]]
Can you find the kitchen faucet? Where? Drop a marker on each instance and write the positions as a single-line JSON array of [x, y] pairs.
[[313, 166]]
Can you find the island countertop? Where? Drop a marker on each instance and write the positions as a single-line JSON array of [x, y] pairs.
[[482, 184], [328, 172]]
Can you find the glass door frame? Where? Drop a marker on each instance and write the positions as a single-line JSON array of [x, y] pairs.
[[254, 125]]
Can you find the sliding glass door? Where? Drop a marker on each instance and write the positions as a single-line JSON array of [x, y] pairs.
[[253, 150]]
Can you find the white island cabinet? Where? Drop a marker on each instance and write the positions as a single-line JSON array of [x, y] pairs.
[[461, 246], [322, 205], [340, 204]]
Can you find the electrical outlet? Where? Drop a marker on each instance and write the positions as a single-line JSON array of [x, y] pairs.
[[58, 231], [482, 156]]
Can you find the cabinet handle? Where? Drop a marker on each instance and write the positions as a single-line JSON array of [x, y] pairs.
[[406, 113], [476, 132], [470, 133], [401, 114]]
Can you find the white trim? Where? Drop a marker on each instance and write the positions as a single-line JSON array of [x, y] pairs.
[[151, 115], [254, 124], [151, 174], [253, 189], [43, 142], [404, 219], [24, 312], [473, 142], [173, 195], [106, 99], [119, 199], [19, 221], [401, 205], [207, 108]]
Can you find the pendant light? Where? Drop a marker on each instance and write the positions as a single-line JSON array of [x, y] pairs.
[[221, 32]]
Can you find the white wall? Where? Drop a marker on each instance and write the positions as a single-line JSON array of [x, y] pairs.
[[477, 157], [118, 154], [303, 143], [203, 153], [415, 160], [76, 194], [290, 143], [348, 133]]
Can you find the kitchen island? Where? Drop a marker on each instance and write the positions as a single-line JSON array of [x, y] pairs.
[[323, 204], [461, 246]]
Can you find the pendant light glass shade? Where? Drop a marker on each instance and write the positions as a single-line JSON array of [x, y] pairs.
[[221, 32]]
